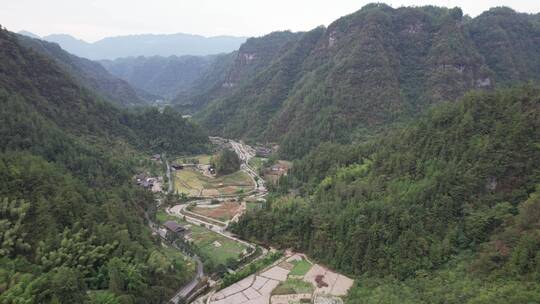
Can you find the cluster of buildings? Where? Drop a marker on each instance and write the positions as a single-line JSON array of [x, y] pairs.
[[277, 170], [221, 143], [265, 151], [149, 182]]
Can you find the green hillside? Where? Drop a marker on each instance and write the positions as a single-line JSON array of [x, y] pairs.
[[162, 76], [444, 209], [72, 222], [376, 66], [87, 73]]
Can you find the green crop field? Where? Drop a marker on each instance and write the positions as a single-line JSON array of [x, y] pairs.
[[292, 286], [203, 159], [204, 240], [300, 268]]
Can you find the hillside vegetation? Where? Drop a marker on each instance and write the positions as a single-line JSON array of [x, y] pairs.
[[87, 73], [72, 222], [443, 210], [166, 77], [376, 66]]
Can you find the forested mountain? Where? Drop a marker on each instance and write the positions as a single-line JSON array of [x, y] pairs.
[[162, 76], [208, 87], [86, 72], [370, 68], [72, 228], [147, 45], [228, 72], [443, 210]]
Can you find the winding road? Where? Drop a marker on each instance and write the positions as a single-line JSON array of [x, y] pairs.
[[245, 153]]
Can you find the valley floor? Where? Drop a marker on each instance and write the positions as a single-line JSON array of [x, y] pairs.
[[291, 278]]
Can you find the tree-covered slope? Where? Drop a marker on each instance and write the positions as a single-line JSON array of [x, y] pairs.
[[452, 194], [248, 110], [72, 226], [162, 76], [232, 71], [87, 73], [375, 66]]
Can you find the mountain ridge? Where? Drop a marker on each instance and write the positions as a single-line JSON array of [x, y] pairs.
[[374, 67], [87, 73], [110, 48]]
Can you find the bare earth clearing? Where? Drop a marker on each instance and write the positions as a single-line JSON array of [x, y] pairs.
[[223, 212], [257, 288]]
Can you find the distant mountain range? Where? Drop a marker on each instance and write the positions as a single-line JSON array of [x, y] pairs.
[[144, 45]]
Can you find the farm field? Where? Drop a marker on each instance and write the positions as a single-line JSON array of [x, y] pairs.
[[277, 284], [194, 183], [202, 159], [214, 246], [293, 286], [223, 212], [300, 268]]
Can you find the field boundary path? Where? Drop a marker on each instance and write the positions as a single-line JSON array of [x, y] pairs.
[[245, 153]]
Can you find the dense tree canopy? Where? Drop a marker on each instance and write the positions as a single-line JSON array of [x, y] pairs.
[[376, 66], [72, 224], [226, 162], [459, 181]]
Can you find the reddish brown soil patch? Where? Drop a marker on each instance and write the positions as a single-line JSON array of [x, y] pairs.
[[319, 280], [224, 212]]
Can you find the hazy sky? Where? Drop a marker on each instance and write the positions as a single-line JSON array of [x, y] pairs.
[[95, 19]]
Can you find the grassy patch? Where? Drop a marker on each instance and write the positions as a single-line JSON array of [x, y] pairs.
[[203, 159], [253, 206], [204, 239], [162, 217], [176, 255], [292, 286], [301, 268]]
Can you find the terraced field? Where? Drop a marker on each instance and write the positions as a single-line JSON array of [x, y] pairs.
[[222, 212], [192, 182], [214, 246]]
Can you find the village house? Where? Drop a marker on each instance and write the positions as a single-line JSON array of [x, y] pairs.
[[174, 231], [144, 181], [177, 167], [263, 151], [279, 169], [149, 182]]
